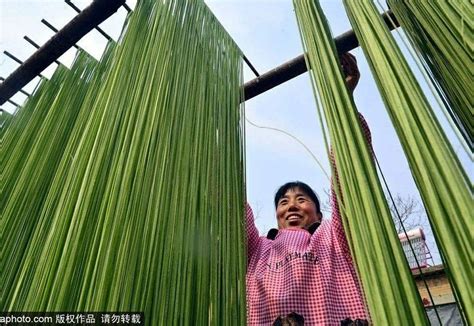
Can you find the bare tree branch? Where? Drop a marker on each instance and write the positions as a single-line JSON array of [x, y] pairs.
[[409, 209]]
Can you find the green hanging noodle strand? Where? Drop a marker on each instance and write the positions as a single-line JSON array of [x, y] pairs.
[[19, 119], [439, 176], [442, 34], [145, 210], [5, 120], [36, 167], [390, 292], [19, 137]]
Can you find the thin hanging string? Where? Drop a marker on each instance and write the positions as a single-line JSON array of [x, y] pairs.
[[408, 239], [430, 85], [295, 138]]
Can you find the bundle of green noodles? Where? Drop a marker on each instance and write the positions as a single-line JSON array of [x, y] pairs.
[[391, 295], [36, 153], [438, 174], [442, 34], [145, 208]]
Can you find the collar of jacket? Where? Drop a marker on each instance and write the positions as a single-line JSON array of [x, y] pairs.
[[274, 232]]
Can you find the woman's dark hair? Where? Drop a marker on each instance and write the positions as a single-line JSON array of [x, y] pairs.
[[297, 185]]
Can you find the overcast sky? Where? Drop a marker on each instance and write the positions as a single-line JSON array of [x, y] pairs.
[[266, 32]]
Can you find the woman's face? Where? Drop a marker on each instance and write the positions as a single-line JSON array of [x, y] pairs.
[[296, 210]]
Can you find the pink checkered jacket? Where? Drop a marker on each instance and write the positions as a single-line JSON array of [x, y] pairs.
[[310, 273]]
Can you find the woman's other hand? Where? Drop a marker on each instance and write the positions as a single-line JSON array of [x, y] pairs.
[[351, 71]]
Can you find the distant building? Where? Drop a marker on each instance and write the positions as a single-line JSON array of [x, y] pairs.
[[435, 277], [441, 292], [416, 238], [438, 284]]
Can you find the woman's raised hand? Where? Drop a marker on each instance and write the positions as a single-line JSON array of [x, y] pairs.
[[350, 69]]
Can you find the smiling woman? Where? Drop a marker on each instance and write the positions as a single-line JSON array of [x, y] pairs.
[[305, 261], [297, 206]]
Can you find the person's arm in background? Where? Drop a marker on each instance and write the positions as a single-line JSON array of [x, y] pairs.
[[352, 74]]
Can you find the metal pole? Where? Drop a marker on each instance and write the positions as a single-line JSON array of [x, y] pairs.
[[127, 7], [83, 23], [250, 65], [11, 56], [13, 103], [297, 66], [31, 42], [22, 91], [100, 10], [100, 30], [36, 46], [54, 29]]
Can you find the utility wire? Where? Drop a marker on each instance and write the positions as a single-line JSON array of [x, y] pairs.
[[295, 138]]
